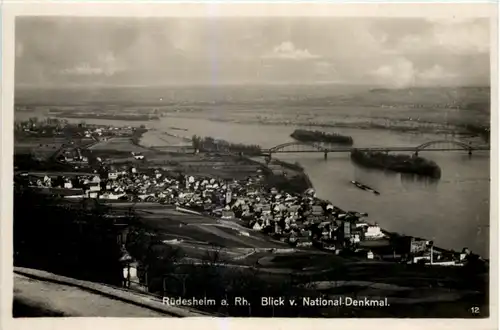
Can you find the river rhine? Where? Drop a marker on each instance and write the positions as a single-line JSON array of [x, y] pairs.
[[453, 212]]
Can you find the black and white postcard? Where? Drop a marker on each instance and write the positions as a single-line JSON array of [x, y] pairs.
[[295, 161]]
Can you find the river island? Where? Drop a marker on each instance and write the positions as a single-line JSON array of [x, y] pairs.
[[321, 137], [219, 221], [397, 163]]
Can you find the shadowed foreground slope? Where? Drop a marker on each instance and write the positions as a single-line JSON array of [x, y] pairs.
[[42, 294]]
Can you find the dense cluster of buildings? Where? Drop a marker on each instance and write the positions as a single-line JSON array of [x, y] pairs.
[[299, 219], [53, 127], [107, 131]]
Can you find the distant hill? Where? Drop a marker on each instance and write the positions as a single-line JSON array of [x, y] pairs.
[[475, 98]]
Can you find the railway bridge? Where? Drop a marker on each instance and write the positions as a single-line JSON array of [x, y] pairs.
[[433, 146]]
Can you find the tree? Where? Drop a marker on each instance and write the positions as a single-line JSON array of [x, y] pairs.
[[196, 142]]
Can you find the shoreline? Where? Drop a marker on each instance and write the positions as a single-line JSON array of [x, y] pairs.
[[136, 140], [422, 128], [123, 117], [426, 127], [303, 174]]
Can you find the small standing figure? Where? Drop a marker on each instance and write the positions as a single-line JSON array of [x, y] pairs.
[[126, 276]]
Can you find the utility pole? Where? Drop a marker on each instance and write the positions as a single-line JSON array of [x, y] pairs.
[[128, 274]]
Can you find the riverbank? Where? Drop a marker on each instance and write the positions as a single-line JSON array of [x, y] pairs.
[[291, 177], [460, 180], [289, 267], [400, 126], [108, 117]]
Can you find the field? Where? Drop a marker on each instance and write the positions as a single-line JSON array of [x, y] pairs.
[[414, 289], [153, 138], [448, 110], [201, 229], [118, 144], [223, 166], [41, 148]]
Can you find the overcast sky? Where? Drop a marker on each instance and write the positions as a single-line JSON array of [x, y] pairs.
[[119, 51]]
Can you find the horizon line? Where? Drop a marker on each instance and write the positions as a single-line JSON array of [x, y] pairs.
[[228, 84]]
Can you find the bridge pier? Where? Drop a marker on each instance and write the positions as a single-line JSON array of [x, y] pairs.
[[416, 153], [326, 155], [470, 152]]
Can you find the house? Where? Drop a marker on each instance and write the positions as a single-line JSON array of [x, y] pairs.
[[92, 194], [257, 226], [46, 180], [417, 245], [373, 232], [94, 186], [426, 258], [227, 214], [266, 209], [317, 210], [111, 196], [113, 175]]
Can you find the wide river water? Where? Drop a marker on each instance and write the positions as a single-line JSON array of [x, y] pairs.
[[454, 212]]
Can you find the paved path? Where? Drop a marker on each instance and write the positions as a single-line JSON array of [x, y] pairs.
[[63, 300], [36, 290]]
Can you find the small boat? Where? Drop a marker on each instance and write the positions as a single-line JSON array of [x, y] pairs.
[[364, 187], [178, 129]]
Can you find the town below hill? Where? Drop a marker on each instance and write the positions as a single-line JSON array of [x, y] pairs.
[[217, 226]]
